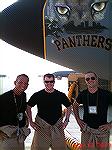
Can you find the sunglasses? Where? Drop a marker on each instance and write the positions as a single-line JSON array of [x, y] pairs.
[[92, 78], [49, 81]]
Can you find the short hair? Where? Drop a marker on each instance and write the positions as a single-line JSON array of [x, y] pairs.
[[21, 75], [93, 73], [49, 75]]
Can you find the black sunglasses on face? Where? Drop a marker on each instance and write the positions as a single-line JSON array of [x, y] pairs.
[[92, 78], [49, 81]]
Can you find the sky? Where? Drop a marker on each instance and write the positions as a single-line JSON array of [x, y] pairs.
[[6, 3], [14, 61]]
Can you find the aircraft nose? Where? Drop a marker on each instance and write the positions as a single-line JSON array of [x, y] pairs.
[[20, 27]]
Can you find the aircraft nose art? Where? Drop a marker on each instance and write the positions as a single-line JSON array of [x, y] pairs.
[[79, 35]]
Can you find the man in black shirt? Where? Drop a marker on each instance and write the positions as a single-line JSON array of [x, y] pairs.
[[12, 115], [48, 124], [94, 126]]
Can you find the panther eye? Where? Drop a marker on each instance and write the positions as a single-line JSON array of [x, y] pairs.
[[62, 10], [99, 6]]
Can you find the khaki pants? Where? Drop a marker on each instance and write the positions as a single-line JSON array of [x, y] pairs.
[[48, 136], [93, 139], [10, 143], [9, 139]]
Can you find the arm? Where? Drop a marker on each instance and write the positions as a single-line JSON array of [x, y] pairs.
[[76, 114], [67, 115], [29, 113], [68, 112]]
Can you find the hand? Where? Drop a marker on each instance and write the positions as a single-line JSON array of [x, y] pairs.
[[3, 136], [35, 126], [65, 123], [105, 127], [81, 123]]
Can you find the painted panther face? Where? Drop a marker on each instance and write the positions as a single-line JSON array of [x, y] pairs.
[[72, 15]]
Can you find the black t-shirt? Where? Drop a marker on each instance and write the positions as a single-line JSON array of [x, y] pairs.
[[9, 109], [49, 105], [102, 99]]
